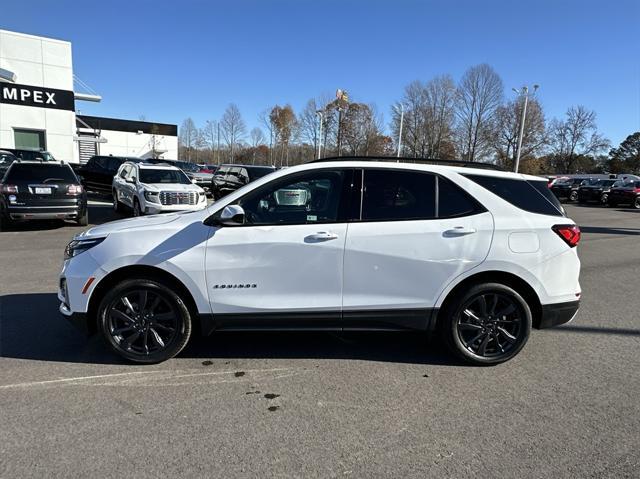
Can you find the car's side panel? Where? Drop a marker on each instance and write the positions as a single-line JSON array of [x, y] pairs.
[[404, 264]]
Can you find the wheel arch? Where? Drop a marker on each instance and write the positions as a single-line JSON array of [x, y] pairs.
[[509, 279], [140, 271]]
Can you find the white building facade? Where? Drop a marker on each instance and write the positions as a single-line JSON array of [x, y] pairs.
[[38, 103]]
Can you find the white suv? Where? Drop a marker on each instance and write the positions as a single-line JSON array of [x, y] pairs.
[[479, 256], [150, 188]]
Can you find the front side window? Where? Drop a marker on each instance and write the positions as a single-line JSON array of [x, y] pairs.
[[392, 195], [306, 198]]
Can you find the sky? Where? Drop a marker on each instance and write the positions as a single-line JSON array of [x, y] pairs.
[[169, 60]]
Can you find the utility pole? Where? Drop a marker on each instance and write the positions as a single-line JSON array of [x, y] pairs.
[[339, 130], [218, 149], [524, 91], [319, 113]]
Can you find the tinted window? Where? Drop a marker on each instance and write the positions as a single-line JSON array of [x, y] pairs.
[[307, 198], [163, 176], [41, 173], [454, 202], [523, 194], [542, 188], [256, 173], [398, 195], [112, 164]]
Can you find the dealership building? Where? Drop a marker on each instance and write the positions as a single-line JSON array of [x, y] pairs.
[[38, 108]]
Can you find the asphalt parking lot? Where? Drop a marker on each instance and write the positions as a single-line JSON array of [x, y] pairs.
[[322, 405]]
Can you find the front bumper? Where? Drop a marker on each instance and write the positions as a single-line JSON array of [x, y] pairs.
[[156, 208], [558, 313]]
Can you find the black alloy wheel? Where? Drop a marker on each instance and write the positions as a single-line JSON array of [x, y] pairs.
[[144, 321], [604, 199], [489, 324], [573, 196], [117, 205], [636, 203]]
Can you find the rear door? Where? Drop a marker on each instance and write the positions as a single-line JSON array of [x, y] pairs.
[[415, 233]]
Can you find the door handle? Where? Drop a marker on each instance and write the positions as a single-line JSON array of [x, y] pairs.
[[458, 231], [321, 236]]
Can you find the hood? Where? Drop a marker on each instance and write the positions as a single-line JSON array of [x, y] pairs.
[[130, 223]]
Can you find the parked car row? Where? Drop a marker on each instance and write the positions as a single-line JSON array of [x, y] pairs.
[[607, 192]]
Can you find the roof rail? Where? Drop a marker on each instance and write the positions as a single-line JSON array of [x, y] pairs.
[[404, 159]]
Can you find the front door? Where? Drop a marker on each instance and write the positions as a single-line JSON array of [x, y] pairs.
[[284, 264], [416, 233]]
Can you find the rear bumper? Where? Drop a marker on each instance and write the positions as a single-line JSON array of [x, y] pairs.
[[558, 313], [45, 212]]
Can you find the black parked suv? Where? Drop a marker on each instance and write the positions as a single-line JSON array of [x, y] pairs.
[[41, 190], [97, 174], [229, 178], [568, 189], [598, 191]]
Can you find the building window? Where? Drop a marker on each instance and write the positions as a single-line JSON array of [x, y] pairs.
[[29, 139]]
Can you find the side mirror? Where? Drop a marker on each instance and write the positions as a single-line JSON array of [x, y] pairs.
[[232, 215]]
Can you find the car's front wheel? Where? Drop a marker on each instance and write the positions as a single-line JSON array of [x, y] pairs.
[[117, 204], [137, 211], [144, 321], [487, 324], [573, 196], [636, 203], [604, 199]]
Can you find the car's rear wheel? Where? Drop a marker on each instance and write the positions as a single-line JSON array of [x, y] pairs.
[[144, 321], [573, 196], [487, 324], [604, 199], [5, 221], [636, 203]]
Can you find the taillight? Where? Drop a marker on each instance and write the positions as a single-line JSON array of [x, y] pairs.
[[636, 190], [74, 190], [569, 233], [9, 189]]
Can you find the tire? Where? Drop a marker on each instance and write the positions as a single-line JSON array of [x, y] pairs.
[[573, 196], [136, 208], [604, 199], [636, 203], [84, 219], [117, 205], [490, 338], [139, 334]]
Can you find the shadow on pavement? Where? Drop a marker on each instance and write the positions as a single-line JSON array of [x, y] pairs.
[[98, 214], [609, 231], [32, 328]]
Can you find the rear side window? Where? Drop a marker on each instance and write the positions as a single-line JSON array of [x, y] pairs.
[[527, 195], [454, 202], [41, 173], [391, 195]]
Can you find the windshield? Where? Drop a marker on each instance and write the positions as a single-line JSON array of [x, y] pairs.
[[186, 166], [41, 173], [163, 176]]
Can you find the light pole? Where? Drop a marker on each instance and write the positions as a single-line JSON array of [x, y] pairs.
[[524, 91], [319, 113], [401, 124]]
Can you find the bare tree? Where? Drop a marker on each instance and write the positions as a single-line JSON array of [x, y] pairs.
[[576, 136], [309, 124], [188, 134], [209, 135], [478, 96], [505, 140], [233, 128]]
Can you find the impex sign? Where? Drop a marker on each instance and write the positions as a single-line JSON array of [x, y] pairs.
[[27, 95]]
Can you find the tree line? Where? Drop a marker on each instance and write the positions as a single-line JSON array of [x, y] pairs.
[[470, 120]]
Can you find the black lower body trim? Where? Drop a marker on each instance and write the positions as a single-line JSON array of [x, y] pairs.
[[558, 313], [364, 320]]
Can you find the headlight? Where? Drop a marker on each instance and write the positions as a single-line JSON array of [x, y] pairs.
[[152, 196], [80, 246]]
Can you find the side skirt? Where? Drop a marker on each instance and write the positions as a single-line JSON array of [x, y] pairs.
[[364, 320]]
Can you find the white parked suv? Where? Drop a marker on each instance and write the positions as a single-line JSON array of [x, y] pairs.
[[476, 255], [150, 188]]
